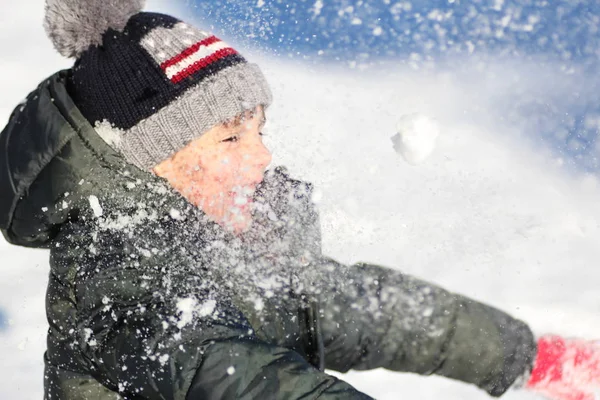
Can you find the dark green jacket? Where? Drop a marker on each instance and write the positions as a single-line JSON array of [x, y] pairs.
[[148, 298]]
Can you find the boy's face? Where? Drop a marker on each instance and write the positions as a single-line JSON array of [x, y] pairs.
[[220, 170]]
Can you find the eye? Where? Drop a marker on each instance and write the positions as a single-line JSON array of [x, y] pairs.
[[261, 134], [234, 138]]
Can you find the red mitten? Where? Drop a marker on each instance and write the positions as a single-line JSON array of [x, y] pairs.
[[566, 369]]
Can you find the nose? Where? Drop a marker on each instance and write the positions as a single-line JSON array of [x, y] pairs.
[[258, 157], [263, 156]]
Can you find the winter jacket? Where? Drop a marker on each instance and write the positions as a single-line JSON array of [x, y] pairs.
[[149, 299]]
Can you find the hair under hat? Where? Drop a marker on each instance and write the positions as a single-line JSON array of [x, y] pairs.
[[149, 82]]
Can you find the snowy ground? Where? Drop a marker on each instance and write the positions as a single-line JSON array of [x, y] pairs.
[[490, 214]]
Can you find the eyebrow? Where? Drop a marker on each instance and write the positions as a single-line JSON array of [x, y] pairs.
[[237, 121]]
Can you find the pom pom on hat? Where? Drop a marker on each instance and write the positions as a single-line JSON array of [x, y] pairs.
[[75, 25]]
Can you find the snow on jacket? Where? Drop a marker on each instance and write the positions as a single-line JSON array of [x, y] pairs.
[[150, 299]]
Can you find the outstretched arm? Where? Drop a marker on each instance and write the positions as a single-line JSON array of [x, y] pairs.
[[374, 317]]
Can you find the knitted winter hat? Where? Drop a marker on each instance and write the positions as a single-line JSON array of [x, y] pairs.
[[148, 82]]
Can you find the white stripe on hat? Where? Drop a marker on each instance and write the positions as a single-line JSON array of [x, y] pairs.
[[203, 52]]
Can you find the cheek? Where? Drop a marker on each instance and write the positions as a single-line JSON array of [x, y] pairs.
[[220, 172], [226, 167]]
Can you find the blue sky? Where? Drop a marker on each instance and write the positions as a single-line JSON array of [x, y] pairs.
[[439, 34], [432, 29]]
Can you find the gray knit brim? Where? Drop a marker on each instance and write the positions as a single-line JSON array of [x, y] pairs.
[[215, 100]]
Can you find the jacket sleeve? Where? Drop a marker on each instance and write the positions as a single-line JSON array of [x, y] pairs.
[[150, 332], [374, 317]]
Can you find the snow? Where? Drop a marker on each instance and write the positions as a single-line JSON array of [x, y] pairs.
[[317, 7], [111, 135], [175, 214], [188, 308], [416, 137], [163, 359], [207, 308], [94, 204], [491, 214]]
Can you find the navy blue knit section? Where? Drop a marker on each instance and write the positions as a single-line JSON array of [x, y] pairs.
[[120, 82], [142, 23]]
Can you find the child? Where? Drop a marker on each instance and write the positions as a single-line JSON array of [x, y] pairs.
[[182, 269]]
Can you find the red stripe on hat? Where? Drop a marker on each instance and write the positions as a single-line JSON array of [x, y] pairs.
[[198, 65], [189, 51]]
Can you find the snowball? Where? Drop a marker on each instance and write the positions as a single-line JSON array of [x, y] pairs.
[[416, 137]]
